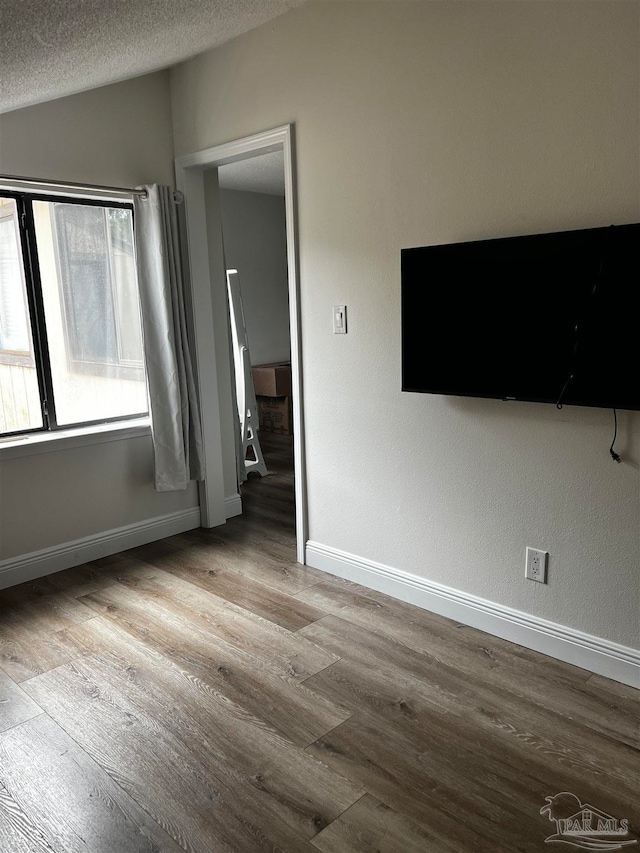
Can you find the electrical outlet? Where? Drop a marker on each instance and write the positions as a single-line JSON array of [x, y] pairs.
[[536, 565]]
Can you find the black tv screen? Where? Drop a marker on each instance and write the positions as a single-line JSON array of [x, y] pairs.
[[551, 318]]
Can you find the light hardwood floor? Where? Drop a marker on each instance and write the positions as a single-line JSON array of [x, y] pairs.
[[207, 693]]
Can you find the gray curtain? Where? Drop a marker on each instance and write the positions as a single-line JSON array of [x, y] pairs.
[[173, 403]]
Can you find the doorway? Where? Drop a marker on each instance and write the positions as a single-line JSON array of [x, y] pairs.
[[251, 206], [206, 177]]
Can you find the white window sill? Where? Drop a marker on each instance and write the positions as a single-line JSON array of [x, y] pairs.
[[47, 442]]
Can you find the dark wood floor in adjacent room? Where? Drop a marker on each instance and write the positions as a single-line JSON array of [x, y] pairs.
[[207, 693]]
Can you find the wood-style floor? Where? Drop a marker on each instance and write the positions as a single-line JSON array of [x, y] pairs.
[[206, 693]]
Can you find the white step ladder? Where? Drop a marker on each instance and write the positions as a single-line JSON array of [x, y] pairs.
[[245, 392]]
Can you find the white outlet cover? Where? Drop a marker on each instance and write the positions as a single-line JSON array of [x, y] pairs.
[[535, 567]]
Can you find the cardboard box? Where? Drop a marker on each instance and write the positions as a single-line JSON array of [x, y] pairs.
[[272, 380], [275, 414]]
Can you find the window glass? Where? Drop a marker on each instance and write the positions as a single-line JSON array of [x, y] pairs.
[[20, 407], [90, 296]]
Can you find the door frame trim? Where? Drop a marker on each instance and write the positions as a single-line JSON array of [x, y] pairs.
[[190, 170]]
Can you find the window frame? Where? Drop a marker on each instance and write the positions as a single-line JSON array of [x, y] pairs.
[[37, 323]]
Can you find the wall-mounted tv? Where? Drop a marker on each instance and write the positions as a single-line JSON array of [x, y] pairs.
[[549, 318]]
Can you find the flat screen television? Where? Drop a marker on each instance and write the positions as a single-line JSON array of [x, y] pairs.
[[549, 318]]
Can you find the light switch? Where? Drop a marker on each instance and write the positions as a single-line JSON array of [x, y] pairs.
[[339, 319]]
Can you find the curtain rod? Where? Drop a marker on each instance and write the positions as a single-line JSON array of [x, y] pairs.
[[177, 196], [73, 186]]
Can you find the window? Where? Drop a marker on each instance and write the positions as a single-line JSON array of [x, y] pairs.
[[15, 338], [70, 328]]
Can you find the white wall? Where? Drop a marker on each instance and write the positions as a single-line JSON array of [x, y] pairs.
[[255, 243], [434, 122], [118, 135]]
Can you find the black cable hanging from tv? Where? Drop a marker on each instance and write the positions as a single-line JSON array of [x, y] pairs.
[[615, 456]]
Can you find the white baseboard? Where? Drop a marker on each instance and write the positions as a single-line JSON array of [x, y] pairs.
[[49, 560], [233, 506], [558, 641]]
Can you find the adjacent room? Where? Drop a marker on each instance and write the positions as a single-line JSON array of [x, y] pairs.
[[319, 426]]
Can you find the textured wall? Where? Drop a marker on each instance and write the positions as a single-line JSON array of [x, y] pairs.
[[119, 135], [422, 123], [255, 243]]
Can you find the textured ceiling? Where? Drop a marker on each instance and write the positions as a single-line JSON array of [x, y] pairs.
[[262, 174], [50, 48]]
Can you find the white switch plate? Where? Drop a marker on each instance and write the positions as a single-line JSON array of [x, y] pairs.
[[536, 565], [339, 319]]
